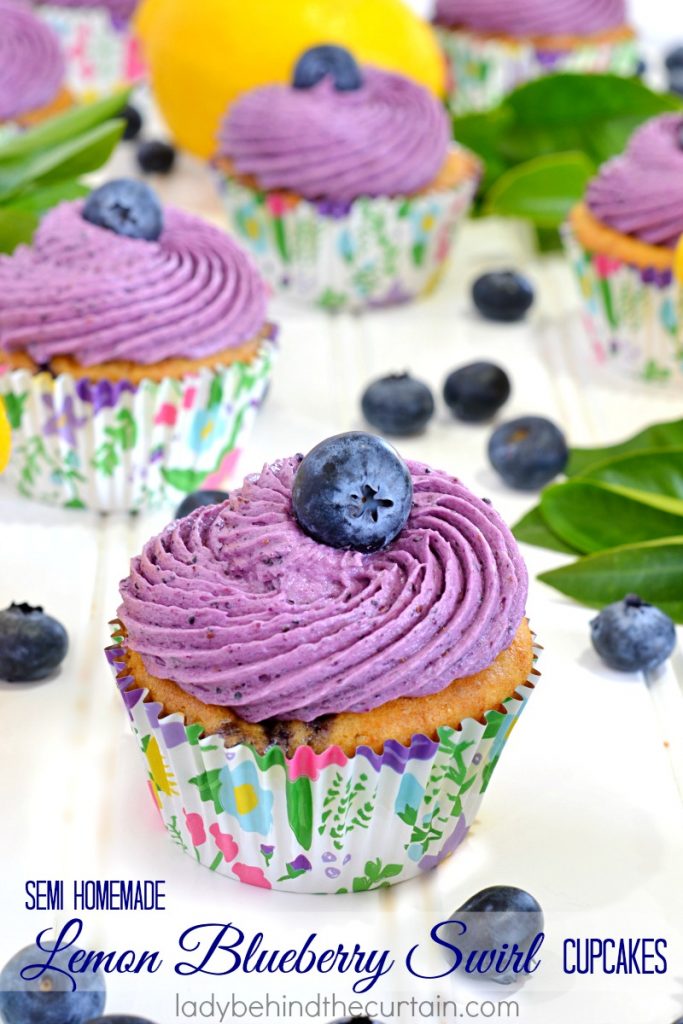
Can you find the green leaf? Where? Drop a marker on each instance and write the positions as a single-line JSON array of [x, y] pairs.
[[654, 571], [542, 190], [16, 226], [66, 160], [483, 134], [593, 516], [658, 436], [70, 125], [41, 198], [651, 470], [186, 480]]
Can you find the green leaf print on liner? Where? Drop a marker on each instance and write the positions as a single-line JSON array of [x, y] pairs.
[[14, 406], [209, 786], [299, 796]]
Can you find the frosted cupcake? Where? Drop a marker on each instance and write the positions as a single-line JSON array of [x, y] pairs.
[[322, 671], [344, 186], [621, 240], [134, 352], [101, 49], [32, 68], [493, 46]]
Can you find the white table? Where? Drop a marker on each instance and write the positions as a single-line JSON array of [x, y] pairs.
[[591, 824]]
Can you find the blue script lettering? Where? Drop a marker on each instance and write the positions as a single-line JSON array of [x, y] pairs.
[[501, 960], [223, 949]]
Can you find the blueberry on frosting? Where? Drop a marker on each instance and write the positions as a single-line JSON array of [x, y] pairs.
[[320, 61], [126, 207], [353, 491]]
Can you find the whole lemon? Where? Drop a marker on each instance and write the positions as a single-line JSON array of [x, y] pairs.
[[678, 261], [204, 54], [5, 437]]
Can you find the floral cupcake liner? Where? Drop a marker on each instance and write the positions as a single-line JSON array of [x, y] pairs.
[[484, 70], [123, 447], [318, 823], [633, 315], [100, 55], [368, 253]]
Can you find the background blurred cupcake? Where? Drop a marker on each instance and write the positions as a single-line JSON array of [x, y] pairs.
[[344, 185], [32, 68], [135, 352], [102, 52], [322, 684], [493, 46], [622, 241]]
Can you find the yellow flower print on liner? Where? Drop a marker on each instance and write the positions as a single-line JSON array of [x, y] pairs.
[[162, 778], [246, 799]]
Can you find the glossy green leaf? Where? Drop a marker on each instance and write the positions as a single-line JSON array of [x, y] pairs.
[[533, 529], [652, 470], [62, 128], [16, 226], [654, 571], [483, 134], [40, 198], [593, 516], [542, 190], [66, 160], [568, 99], [658, 436]]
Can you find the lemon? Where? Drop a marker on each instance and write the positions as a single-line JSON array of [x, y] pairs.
[[5, 437], [678, 261], [204, 54]]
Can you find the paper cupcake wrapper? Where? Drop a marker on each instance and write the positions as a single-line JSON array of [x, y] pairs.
[[484, 70], [633, 315], [100, 55], [123, 447], [318, 823], [369, 253]]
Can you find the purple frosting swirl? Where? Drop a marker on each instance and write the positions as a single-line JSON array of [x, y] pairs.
[[388, 138], [83, 291], [533, 17], [121, 11], [31, 62], [640, 193], [241, 608]]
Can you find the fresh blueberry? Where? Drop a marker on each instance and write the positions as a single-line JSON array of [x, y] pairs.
[[32, 644], [476, 392], [197, 500], [120, 1018], [528, 452], [320, 61], [48, 998], [126, 207], [353, 491], [398, 405], [503, 295], [633, 636], [156, 157], [357, 1020], [133, 118], [674, 59], [497, 915]]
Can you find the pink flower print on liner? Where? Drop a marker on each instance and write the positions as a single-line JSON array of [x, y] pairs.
[[605, 266], [214, 480], [251, 876], [308, 765], [195, 826], [189, 397], [225, 843], [167, 415]]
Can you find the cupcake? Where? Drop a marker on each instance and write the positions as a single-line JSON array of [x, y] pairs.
[[492, 46], [621, 241], [101, 49], [322, 671], [344, 185], [134, 352], [32, 68]]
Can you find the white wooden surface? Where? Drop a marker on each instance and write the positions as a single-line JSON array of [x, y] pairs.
[[586, 807]]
